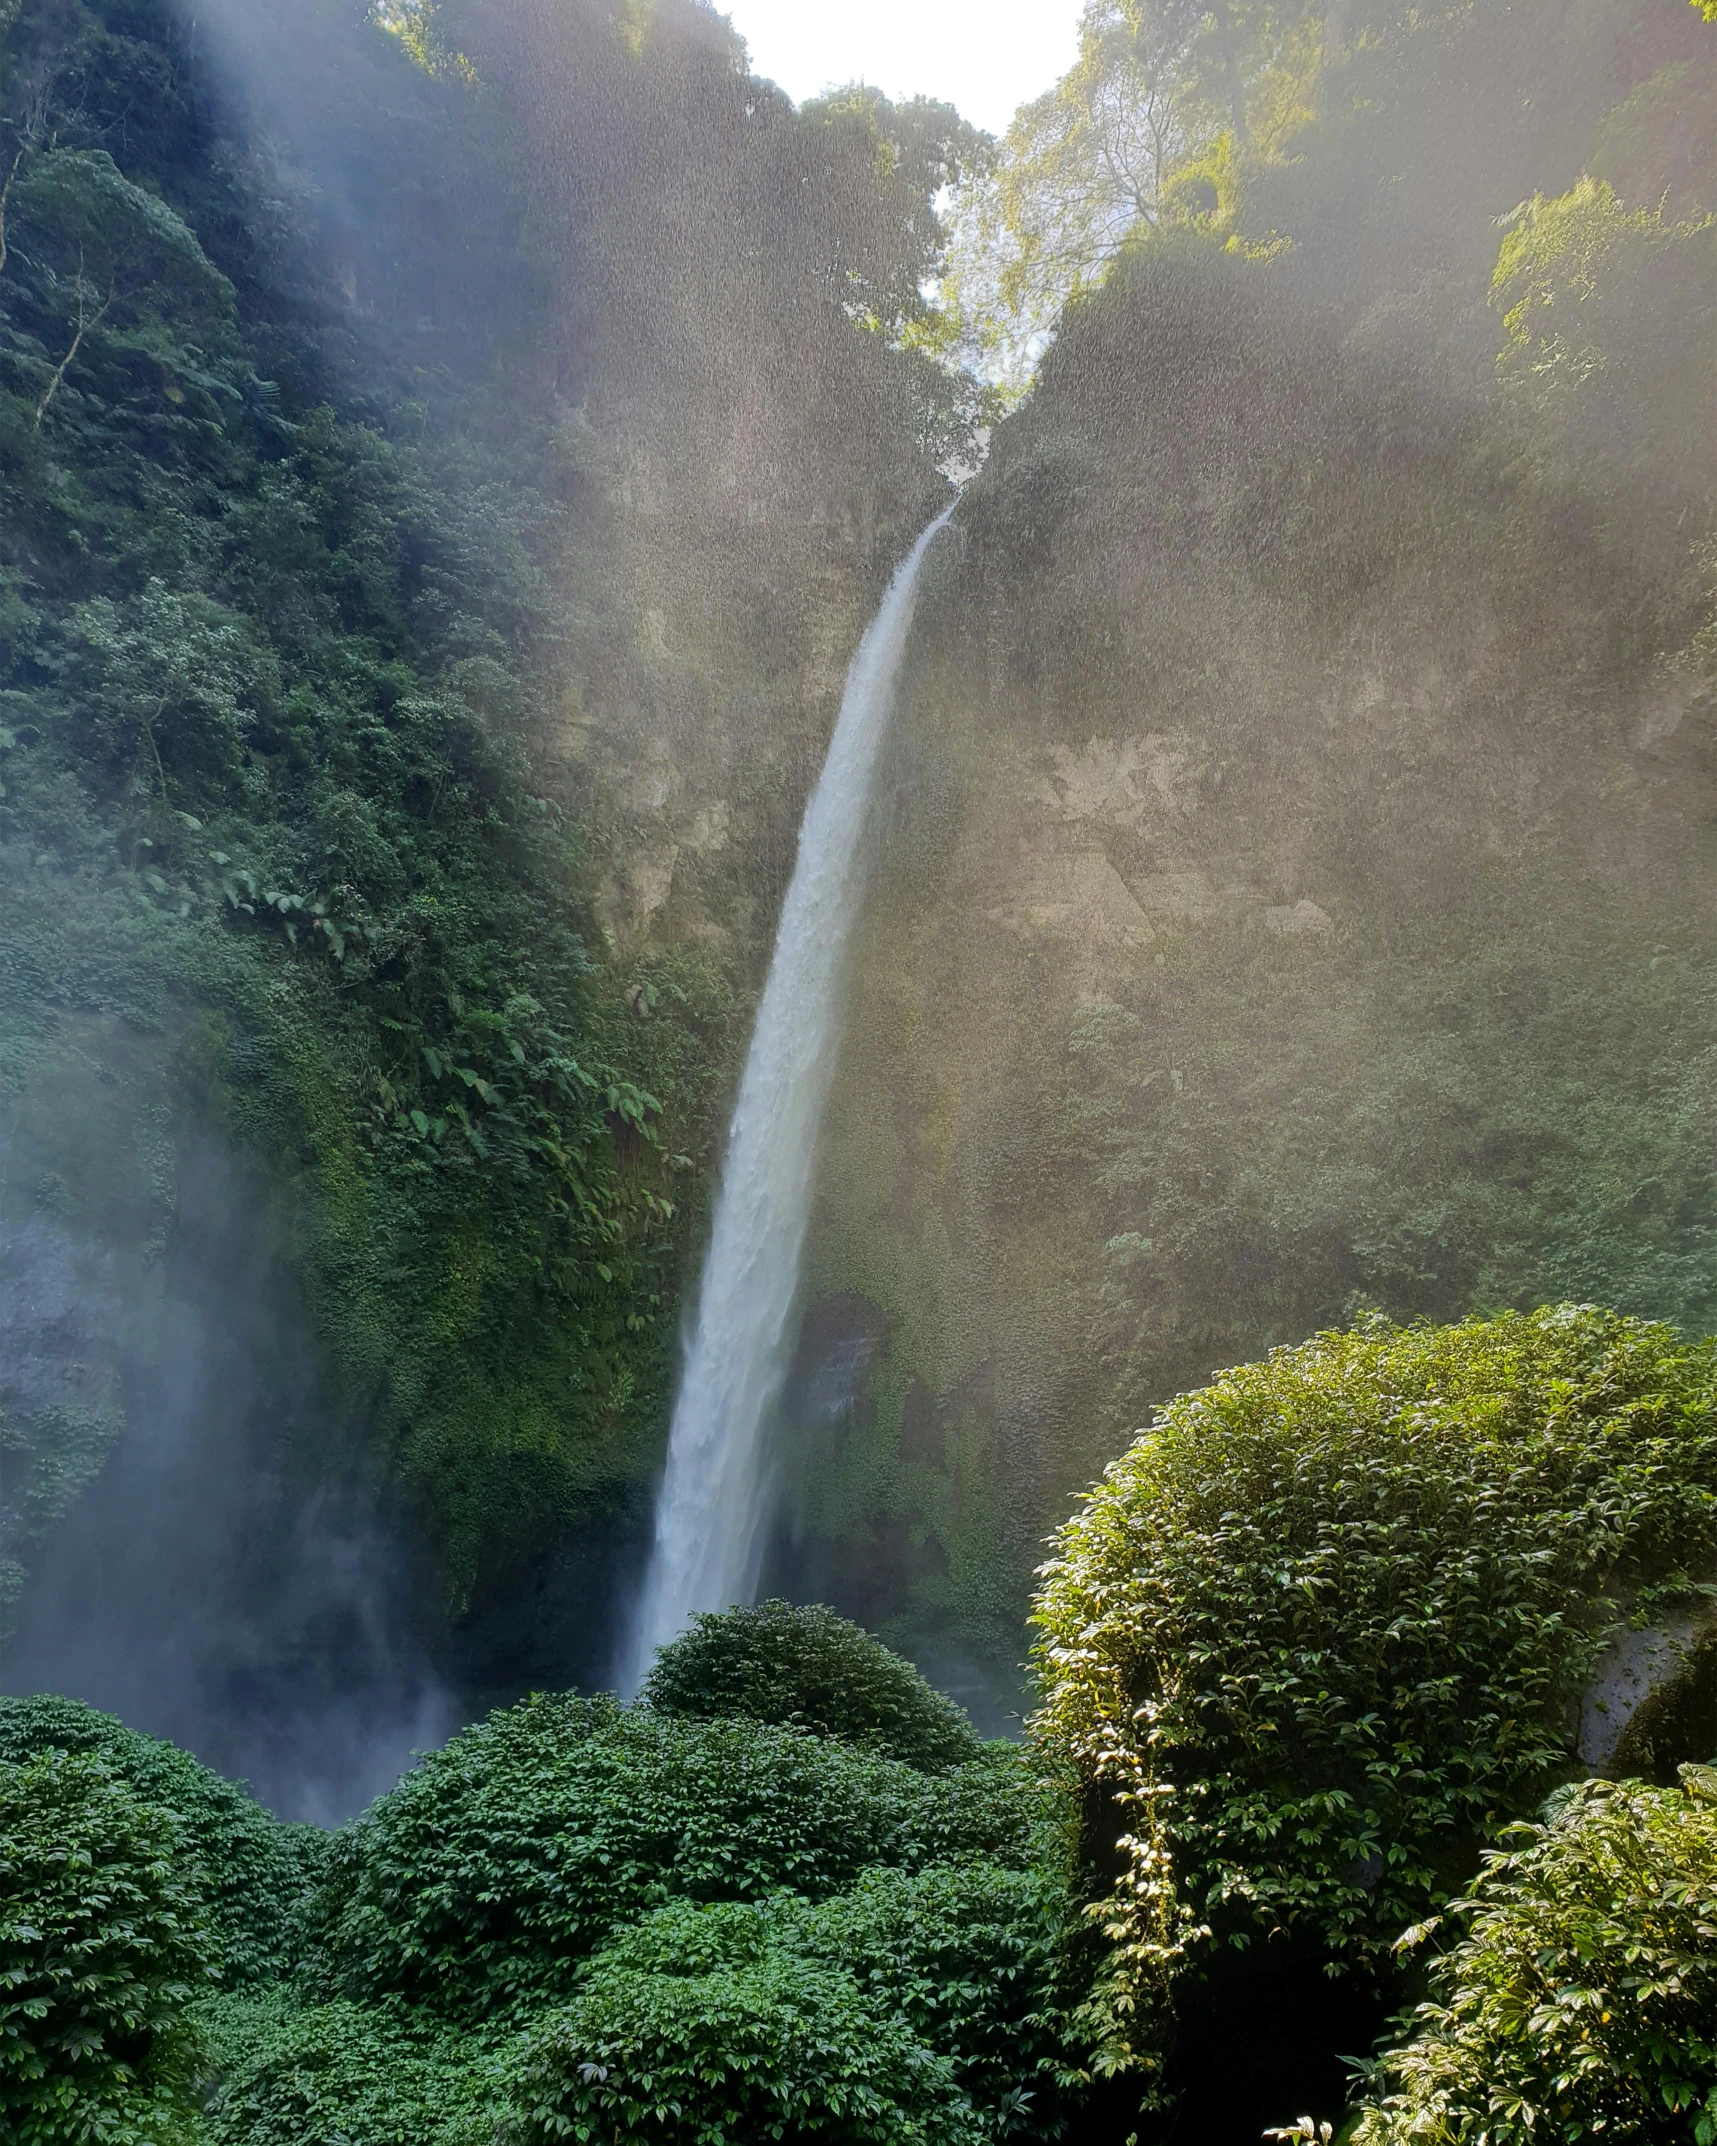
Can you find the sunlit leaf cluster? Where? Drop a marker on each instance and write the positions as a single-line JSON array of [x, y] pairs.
[[1324, 1628], [1577, 1998]]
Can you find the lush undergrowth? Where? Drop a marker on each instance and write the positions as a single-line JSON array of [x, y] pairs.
[[1311, 1654], [577, 1918], [1325, 1628]]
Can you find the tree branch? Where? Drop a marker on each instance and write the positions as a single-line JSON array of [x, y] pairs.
[[29, 132], [4, 192], [83, 327]]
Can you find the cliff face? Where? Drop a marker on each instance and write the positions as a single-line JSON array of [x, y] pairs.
[[1294, 893], [424, 594]]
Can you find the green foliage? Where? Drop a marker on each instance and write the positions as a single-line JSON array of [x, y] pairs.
[[971, 1958], [103, 1945], [121, 271], [320, 589], [1655, 149], [498, 1863], [1312, 133], [1142, 137], [578, 1917], [273, 670], [1579, 1999], [243, 1866], [1472, 1119], [1481, 1074], [295, 2074], [1610, 324], [705, 2036], [1317, 1634], [802, 1666], [913, 2006]]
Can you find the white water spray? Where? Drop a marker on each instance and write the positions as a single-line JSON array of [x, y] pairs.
[[710, 1513]]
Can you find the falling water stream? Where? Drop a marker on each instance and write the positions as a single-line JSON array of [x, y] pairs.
[[711, 1510]]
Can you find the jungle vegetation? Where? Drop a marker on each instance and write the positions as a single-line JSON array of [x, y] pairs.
[[1308, 1656], [445, 455]]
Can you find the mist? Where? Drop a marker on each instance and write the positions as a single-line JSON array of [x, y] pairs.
[[230, 1577], [1238, 1073]]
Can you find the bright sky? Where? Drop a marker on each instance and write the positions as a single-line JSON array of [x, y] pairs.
[[986, 56]]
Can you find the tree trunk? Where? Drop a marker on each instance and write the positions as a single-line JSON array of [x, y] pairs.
[[83, 327], [5, 192], [1231, 70]]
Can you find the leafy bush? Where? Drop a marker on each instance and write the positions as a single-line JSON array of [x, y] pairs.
[[969, 1956], [693, 2029], [1582, 2001], [363, 2075], [914, 2006], [917, 2005], [103, 1944], [1317, 1635], [672, 1887], [500, 1862], [245, 1864], [805, 1667]]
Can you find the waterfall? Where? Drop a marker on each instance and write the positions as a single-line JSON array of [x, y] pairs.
[[710, 1512]]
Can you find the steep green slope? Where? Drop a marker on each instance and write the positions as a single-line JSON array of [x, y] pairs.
[[391, 643]]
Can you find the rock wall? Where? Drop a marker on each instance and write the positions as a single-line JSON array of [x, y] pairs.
[[1295, 886]]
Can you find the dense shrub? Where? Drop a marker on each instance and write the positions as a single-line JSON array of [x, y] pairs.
[[1582, 2001], [805, 1667], [103, 1945], [1318, 1633], [289, 2074], [914, 2006], [579, 1919], [246, 1865], [693, 2029], [968, 1956], [497, 1864]]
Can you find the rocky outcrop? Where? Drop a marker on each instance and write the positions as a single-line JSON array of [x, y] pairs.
[[1249, 873], [1652, 1700]]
